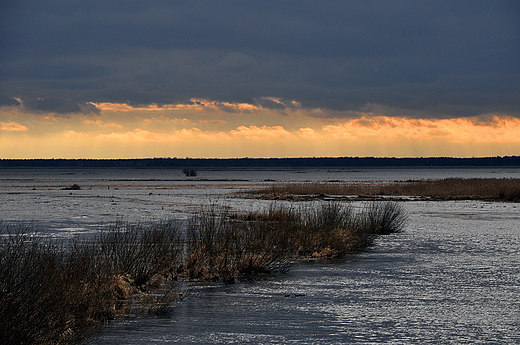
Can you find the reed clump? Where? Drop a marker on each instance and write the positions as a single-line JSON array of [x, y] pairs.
[[75, 186], [54, 292], [498, 189], [223, 247], [48, 295]]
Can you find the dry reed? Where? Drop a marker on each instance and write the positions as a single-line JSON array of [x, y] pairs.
[[53, 292], [59, 293], [501, 189], [223, 246]]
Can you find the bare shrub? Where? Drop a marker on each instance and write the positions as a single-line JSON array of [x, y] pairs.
[[190, 171], [47, 295], [75, 186]]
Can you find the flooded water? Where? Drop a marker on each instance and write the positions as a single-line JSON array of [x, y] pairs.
[[451, 277]]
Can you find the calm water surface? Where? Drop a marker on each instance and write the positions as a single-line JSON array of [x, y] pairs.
[[451, 277]]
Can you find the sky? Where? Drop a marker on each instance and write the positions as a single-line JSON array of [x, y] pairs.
[[215, 79]]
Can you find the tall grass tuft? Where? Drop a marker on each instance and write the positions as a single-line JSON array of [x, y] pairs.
[[333, 229], [140, 252], [383, 218], [323, 230], [223, 246], [141, 259], [212, 247], [267, 241]]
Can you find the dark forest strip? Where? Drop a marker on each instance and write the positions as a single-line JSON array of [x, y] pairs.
[[253, 163]]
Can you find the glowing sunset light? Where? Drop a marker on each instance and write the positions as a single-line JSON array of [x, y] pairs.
[[177, 131], [196, 104], [460, 130], [12, 127]]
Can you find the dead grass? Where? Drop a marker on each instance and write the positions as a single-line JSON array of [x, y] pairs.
[[53, 292], [59, 293], [224, 246], [48, 295], [503, 189]]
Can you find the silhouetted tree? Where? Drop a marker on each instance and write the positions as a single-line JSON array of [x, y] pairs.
[[190, 171]]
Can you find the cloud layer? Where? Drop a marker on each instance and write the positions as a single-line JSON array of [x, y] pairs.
[[428, 59], [213, 129], [109, 79]]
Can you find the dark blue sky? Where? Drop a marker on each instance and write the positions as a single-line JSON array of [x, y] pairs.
[[425, 58]]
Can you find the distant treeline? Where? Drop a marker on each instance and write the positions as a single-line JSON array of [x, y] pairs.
[[315, 162]]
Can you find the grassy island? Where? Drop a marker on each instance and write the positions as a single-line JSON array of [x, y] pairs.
[[491, 189], [54, 292]]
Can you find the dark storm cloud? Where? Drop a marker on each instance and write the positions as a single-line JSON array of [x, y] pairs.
[[59, 106], [6, 101], [439, 57]]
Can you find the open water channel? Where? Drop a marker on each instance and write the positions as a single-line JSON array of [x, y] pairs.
[[451, 277]]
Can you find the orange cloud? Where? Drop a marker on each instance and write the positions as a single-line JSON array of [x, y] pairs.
[[258, 133], [141, 135], [214, 122], [307, 133], [12, 127], [197, 104], [70, 132], [101, 123], [491, 128]]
